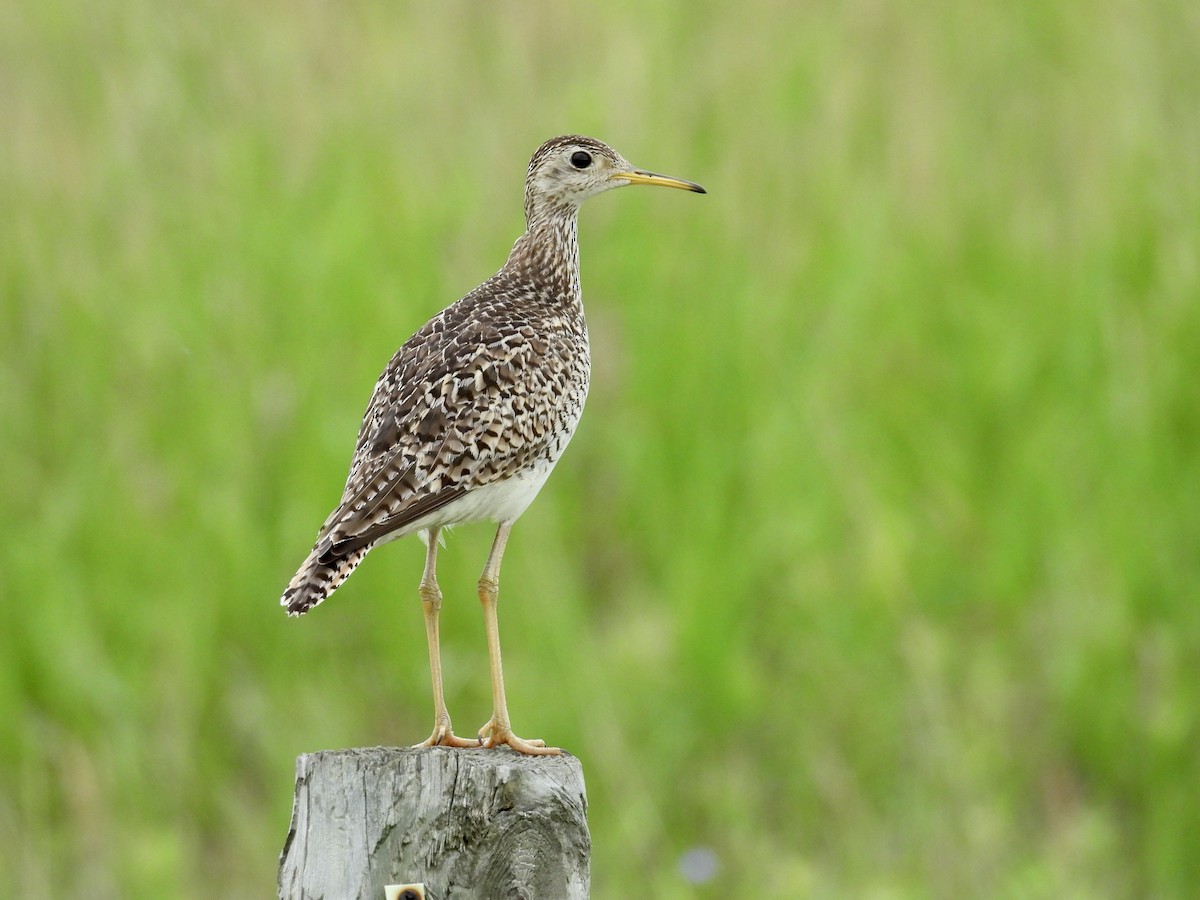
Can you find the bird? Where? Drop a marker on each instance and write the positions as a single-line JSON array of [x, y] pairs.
[[472, 413]]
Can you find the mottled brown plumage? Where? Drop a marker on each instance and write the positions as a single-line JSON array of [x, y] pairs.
[[473, 411]]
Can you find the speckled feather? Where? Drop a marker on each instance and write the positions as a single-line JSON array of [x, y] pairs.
[[488, 391]]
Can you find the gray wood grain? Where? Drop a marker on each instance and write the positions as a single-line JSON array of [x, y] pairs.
[[470, 824]]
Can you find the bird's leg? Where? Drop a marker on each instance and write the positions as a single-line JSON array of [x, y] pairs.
[[431, 604], [498, 730]]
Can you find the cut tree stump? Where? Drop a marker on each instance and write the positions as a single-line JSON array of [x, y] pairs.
[[469, 824]]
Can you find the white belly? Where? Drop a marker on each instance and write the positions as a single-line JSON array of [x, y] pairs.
[[501, 501]]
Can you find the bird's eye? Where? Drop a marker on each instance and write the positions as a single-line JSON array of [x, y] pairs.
[[581, 159]]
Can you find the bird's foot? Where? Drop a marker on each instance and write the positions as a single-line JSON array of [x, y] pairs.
[[443, 736], [494, 734]]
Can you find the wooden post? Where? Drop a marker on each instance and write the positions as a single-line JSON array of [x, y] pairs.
[[469, 824]]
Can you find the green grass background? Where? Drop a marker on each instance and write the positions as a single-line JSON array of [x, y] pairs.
[[874, 567]]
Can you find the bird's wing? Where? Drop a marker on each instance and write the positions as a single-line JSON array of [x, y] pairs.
[[462, 404]]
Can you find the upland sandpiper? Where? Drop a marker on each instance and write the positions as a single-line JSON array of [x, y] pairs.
[[472, 413]]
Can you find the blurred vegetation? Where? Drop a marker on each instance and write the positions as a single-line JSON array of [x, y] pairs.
[[874, 568]]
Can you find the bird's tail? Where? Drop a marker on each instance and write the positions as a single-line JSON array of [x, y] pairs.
[[318, 578]]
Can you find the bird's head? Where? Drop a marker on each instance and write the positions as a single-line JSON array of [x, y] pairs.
[[567, 170]]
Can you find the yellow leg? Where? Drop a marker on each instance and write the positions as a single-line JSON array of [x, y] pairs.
[[431, 604], [498, 730]]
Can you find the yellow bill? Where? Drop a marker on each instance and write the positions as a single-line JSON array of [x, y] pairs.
[[641, 176]]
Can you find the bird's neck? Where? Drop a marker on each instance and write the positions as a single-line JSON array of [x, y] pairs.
[[547, 254]]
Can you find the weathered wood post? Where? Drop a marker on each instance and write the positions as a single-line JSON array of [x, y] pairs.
[[469, 824]]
